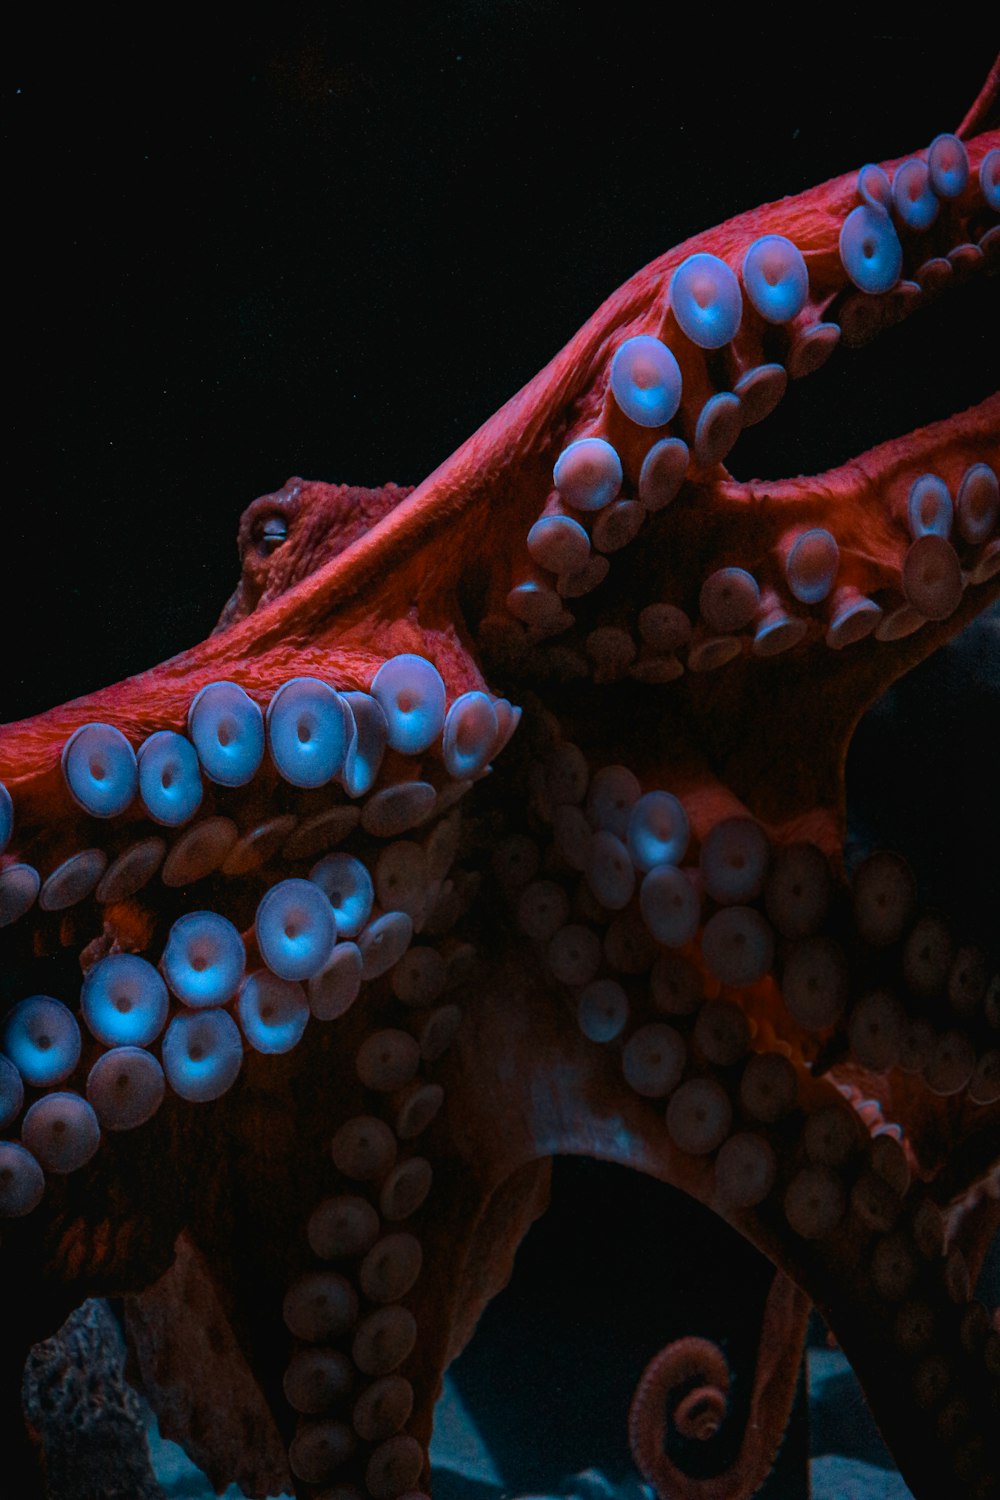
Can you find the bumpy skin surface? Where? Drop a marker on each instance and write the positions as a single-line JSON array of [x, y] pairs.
[[360, 577]]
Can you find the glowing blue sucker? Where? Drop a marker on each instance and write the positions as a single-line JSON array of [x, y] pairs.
[[658, 831], [948, 164], [646, 381], [913, 197], [169, 778], [989, 178], [124, 1001], [870, 251], [273, 1012], [368, 736], [227, 728], [412, 697], [588, 474], [775, 278], [296, 929], [204, 959], [42, 1040], [929, 507], [6, 817], [470, 732], [874, 187], [202, 1055], [100, 769], [706, 299], [348, 888], [307, 731]]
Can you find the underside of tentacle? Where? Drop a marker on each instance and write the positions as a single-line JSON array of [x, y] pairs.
[[504, 818]]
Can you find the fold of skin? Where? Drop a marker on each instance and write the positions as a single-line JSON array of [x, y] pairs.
[[357, 578]]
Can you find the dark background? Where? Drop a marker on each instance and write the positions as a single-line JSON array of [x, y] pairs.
[[334, 243]]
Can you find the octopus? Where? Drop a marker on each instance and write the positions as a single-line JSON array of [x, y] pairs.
[[502, 819]]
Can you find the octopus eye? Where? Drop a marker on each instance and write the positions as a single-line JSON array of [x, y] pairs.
[[269, 533]]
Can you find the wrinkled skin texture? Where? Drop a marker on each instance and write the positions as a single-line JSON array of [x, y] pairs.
[[357, 581]]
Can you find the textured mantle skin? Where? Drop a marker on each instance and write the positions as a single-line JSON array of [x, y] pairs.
[[518, 1057]]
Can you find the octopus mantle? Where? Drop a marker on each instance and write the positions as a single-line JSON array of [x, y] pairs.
[[389, 910]]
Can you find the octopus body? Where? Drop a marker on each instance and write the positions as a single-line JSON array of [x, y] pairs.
[[503, 819]]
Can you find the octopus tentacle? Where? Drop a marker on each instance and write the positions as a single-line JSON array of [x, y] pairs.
[[686, 1387], [357, 942]]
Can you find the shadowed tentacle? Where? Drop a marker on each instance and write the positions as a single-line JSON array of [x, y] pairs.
[[685, 1387], [412, 952]]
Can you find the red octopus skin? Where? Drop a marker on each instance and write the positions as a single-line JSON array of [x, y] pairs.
[[398, 587]]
